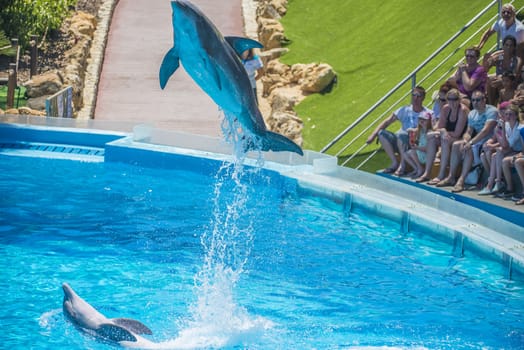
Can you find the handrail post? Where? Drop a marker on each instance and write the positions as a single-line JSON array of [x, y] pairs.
[[34, 55], [11, 86]]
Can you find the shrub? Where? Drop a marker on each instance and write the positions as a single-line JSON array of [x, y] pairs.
[[22, 18]]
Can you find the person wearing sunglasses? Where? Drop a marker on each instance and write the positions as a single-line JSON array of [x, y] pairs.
[[471, 75], [508, 24], [398, 142], [466, 152], [450, 128]]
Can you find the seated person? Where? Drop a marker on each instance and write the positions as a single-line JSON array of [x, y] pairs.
[[439, 101], [450, 128], [505, 60], [507, 91], [399, 142], [418, 140], [471, 75], [490, 146], [517, 161], [507, 134], [481, 122]]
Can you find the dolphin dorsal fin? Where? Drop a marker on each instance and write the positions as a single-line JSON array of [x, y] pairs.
[[133, 325], [115, 333], [240, 44]]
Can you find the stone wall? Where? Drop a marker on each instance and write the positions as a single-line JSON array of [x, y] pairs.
[[81, 29]]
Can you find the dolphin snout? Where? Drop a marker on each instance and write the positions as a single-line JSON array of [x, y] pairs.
[[68, 291]]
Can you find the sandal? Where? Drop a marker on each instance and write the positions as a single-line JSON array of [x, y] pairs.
[[434, 181], [389, 170], [423, 179], [457, 188], [400, 173], [445, 183], [520, 202]]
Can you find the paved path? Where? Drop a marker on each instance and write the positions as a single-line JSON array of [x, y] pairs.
[[139, 36]]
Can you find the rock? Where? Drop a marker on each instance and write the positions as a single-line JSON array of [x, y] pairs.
[[274, 9], [270, 33], [272, 54], [318, 78], [79, 51], [285, 99], [82, 24], [277, 67], [287, 124], [280, 6], [29, 111], [12, 111], [47, 83], [37, 102]]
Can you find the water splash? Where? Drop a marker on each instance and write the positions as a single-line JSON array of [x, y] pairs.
[[216, 318]]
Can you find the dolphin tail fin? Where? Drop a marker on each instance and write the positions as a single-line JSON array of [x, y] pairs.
[[240, 44], [169, 65], [278, 143], [115, 333], [133, 325]]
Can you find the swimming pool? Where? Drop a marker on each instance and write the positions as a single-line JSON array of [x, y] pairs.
[[212, 257]]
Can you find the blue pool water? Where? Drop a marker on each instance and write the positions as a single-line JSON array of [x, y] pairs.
[[238, 259]]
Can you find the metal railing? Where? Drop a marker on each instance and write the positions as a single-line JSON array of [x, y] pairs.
[[433, 78]]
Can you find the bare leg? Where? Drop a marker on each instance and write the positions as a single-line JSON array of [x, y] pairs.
[[497, 159], [390, 151], [431, 152], [519, 166], [466, 166], [506, 170], [456, 160], [402, 149], [412, 157], [485, 157], [445, 154]]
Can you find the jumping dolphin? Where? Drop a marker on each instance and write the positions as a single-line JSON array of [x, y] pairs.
[[213, 63], [120, 330]]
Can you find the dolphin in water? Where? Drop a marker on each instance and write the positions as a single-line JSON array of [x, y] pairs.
[[213, 63], [124, 331]]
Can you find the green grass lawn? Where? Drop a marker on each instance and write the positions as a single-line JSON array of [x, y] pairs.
[[371, 45]]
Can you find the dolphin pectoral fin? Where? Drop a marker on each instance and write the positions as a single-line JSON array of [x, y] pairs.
[[133, 325], [240, 44], [278, 143], [169, 65], [115, 333]]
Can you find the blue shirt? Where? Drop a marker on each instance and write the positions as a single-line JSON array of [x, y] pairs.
[[477, 120]]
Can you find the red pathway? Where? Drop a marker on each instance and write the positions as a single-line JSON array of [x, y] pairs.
[[140, 34]]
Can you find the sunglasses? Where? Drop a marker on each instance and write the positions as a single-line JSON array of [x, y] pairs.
[[471, 56], [452, 98], [507, 12], [442, 99], [477, 99], [416, 95]]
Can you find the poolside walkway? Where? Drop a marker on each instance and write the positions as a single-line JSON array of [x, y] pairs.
[[128, 91]]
